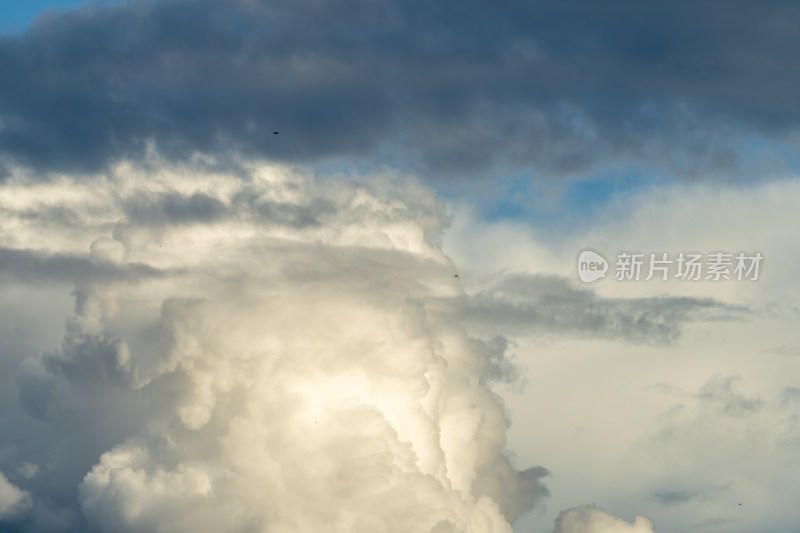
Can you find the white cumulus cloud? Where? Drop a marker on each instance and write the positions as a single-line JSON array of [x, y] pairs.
[[591, 519], [13, 501], [246, 353]]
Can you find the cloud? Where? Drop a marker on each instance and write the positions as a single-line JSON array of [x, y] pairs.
[[13, 501], [785, 350], [551, 305], [721, 391], [591, 519], [458, 89], [607, 435], [681, 496], [227, 366], [34, 266], [790, 396], [674, 497], [712, 463]]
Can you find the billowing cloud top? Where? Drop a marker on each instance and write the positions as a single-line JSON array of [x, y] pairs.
[[239, 361]]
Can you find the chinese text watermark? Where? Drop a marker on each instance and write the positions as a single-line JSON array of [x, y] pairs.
[[684, 266]]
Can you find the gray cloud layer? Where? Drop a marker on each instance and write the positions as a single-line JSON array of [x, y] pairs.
[[33, 266], [552, 306], [454, 87]]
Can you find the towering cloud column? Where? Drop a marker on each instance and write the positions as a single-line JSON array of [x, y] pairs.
[[272, 353]]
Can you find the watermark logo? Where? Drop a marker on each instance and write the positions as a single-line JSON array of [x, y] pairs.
[[591, 266], [684, 266]]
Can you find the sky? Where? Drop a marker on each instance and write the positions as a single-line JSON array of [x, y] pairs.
[[325, 266]]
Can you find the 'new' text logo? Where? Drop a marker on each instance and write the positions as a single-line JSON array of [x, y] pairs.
[[591, 266]]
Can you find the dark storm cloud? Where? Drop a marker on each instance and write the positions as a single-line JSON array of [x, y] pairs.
[[444, 86], [551, 305]]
